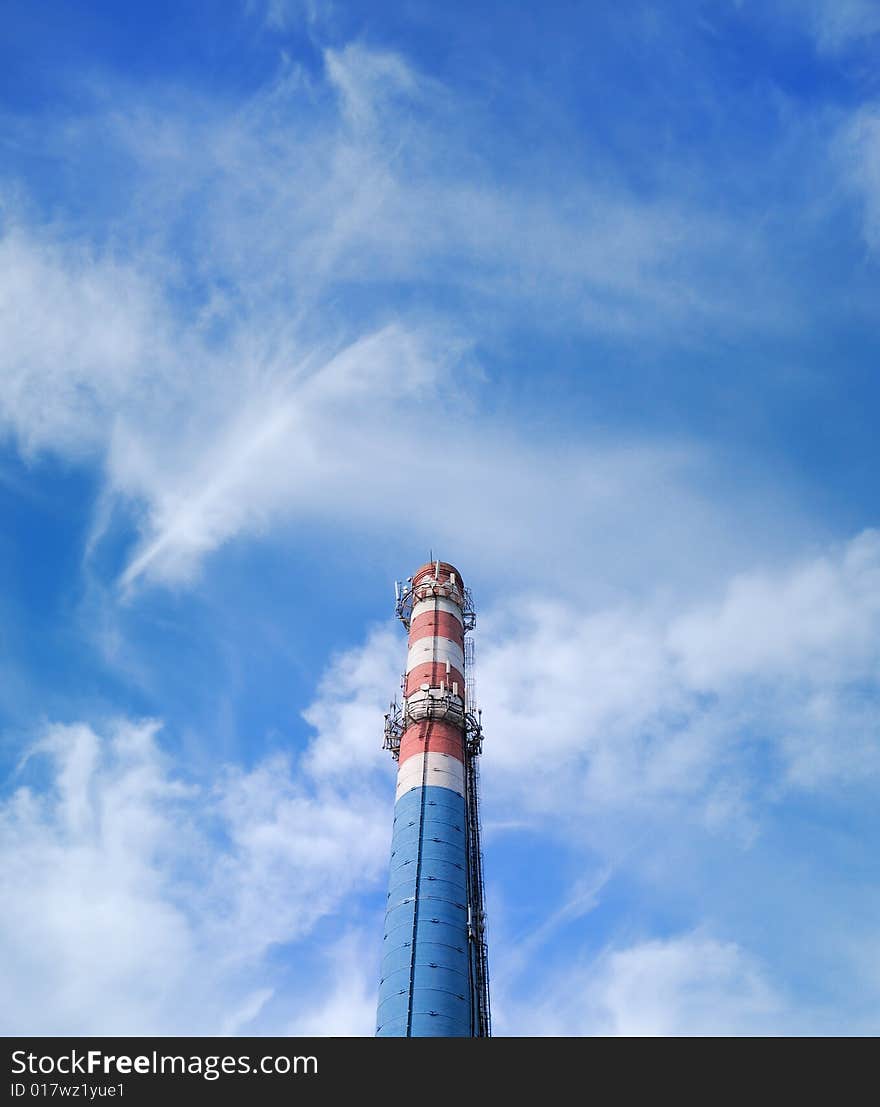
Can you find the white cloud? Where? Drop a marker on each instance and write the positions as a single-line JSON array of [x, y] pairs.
[[140, 904], [348, 709], [368, 80], [371, 176], [281, 15], [655, 705], [211, 444], [838, 24], [347, 1004], [688, 985], [716, 710], [81, 342], [304, 441], [858, 154], [242, 368]]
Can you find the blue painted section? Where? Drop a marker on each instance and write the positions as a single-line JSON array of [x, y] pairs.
[[425, 987]]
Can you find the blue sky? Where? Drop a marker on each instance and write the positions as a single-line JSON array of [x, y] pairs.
[[584, 300]]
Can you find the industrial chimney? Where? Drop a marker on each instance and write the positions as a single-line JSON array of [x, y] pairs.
[[435, 980]]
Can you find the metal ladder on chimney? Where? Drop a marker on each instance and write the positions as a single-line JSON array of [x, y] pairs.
[[481, 1018]]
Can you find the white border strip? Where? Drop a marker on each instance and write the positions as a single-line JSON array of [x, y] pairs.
[[438, 604], [425, 650], [444, 771]]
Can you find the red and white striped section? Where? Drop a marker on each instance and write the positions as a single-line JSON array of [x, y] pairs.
[[432, 746]]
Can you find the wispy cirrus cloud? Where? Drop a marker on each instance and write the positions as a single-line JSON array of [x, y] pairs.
[[857, 152], [240, 367], [838, 24], [211, 444], [279, 15]]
